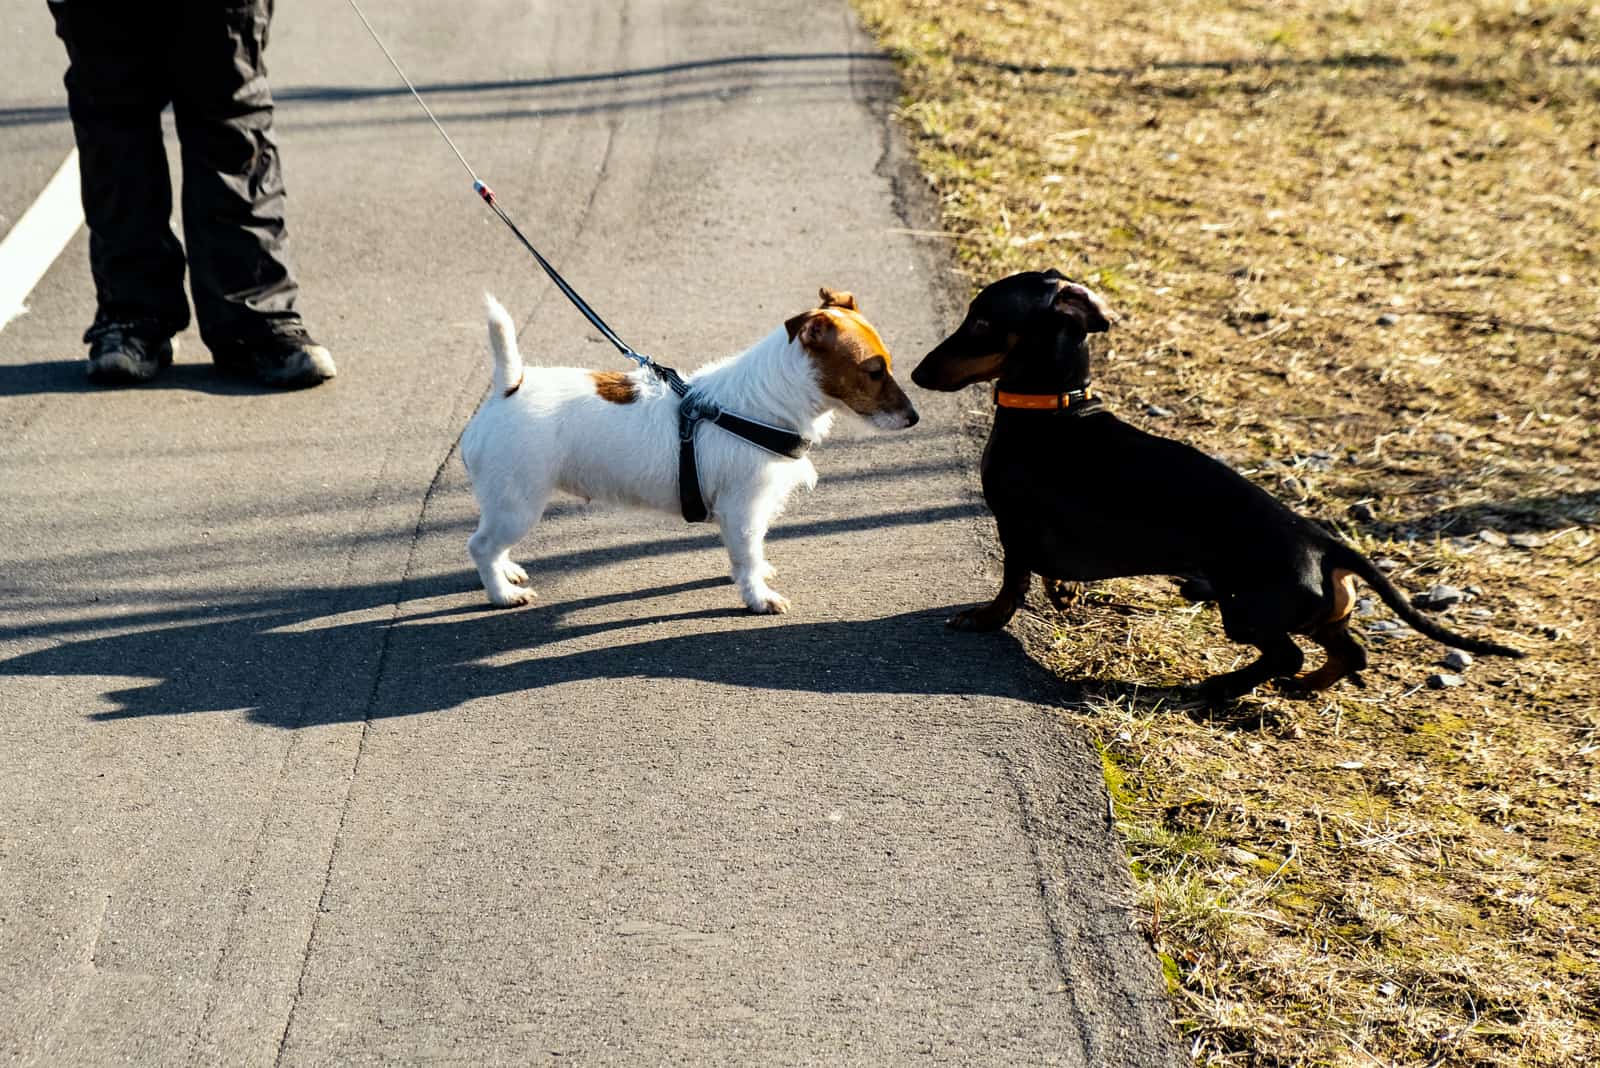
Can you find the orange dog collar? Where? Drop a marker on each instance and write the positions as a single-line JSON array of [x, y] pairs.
[[1041, 401]]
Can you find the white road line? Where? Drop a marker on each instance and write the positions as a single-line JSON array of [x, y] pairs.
[[33, 244]]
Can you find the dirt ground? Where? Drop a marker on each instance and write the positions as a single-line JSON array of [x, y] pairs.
[[1356, 252]]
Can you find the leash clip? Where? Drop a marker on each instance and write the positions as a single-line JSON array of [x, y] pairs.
[[692, 410]]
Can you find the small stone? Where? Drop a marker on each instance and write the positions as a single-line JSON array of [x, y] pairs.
[[1362, 512], [1473, 591], [1458, 660], [1157, 411], [1388, 319], [1240, 856], [1492, 537], [1366, 606], [1445, 682], [1481, 613], [1383, 626], [1526, 541], [1386, 564], [1440, 597], [1444, 437]]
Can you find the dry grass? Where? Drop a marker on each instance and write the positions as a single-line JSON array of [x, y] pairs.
[[1356, 249]]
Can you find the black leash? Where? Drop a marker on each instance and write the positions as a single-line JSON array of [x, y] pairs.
[[691, 410]]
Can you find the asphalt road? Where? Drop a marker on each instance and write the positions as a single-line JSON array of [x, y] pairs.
[[277, 786]]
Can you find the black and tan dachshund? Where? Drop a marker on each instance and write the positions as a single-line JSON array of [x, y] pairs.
[[1080, 495]]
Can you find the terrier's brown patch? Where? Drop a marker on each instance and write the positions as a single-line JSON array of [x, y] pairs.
[[614, 386], [852, 363]]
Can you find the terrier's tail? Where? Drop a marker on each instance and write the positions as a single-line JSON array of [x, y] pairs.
[[503, 347]]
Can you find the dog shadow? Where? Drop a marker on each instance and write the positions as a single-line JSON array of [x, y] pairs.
[[1251, 713], [298, 659]]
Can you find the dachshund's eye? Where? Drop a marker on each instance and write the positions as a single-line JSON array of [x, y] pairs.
[[876, 374], [980, 326]]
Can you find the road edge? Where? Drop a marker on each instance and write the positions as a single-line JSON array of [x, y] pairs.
[[1108, 968]]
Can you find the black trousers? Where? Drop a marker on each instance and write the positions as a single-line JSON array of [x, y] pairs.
[[128, 60]]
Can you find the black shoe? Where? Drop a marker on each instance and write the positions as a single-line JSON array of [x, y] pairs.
[[120, 354], [283, 363]]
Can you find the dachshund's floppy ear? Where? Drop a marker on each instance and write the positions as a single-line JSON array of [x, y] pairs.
[[1083, 306], [838, 298]]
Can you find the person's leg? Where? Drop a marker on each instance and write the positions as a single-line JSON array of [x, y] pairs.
[[116, 89], [233, 196]]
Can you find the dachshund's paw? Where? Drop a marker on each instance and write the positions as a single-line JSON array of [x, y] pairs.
[[1222, 689], [983, 618], [1062, 592]]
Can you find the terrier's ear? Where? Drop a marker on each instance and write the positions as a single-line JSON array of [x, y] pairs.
[[838, 298], [1082, 306], [812, 328]]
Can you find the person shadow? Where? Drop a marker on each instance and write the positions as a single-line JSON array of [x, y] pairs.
[[68, 376]]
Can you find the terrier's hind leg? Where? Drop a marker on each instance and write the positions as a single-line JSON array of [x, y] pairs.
[[498, 530]]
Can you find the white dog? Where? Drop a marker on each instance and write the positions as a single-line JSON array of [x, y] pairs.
[[613, 436]]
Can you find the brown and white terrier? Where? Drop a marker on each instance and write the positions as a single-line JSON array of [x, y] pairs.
[[613, 436]]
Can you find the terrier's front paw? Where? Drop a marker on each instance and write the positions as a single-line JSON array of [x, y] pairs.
[[512, 597], [768, 602], [513, 574]]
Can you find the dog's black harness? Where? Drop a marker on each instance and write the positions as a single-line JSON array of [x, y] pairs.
[[693, 410]]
